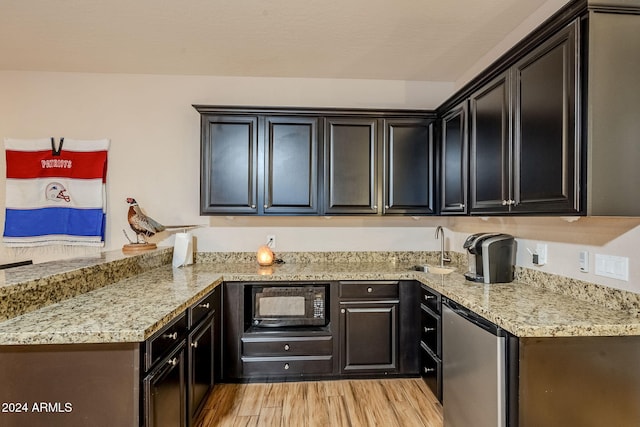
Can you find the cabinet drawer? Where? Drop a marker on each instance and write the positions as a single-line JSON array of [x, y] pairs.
[[369, 289], [285, 366], [202, 308], [431, 299], [431, 372], [289, 346], [165, 340], [430, 330]]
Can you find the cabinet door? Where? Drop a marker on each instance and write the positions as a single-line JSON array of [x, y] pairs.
[[201, 357], [454, 161], [490, 147], [369, 333], [164, 393], [229, 164], [408, 167], [350, 184], [545, 142], [291, 165]]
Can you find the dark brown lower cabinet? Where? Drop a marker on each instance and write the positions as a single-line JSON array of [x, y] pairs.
[[431, 339], [431, 371], [369, 333], [272, 356], [164, 392], [201, 366], [372, 331]]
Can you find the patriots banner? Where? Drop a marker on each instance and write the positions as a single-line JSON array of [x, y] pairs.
[[55, 195]]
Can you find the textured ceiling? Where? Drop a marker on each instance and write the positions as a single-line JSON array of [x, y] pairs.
[[427, 40]]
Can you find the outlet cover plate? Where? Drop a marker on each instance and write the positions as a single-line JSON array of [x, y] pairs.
[[616, 267]]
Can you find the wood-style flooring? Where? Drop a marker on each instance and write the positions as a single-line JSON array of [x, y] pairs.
[[349, 403]]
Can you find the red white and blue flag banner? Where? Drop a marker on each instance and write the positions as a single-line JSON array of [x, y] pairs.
[[55, 195]]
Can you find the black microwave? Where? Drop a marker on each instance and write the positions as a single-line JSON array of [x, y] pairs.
[[277, 306]]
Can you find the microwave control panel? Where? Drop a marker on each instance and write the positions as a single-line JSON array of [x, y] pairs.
[[318, 306]]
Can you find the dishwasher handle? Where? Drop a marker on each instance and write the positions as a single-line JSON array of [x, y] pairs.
[[473, 317]]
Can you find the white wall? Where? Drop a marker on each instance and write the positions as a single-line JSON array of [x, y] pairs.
[[154, 157], [155, 132]]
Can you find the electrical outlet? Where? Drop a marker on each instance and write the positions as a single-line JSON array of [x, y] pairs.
[[541, 251], [271, 241]]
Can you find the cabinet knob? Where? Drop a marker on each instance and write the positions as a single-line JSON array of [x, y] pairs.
[[386, 206], [173, 362], [505, 203], [428, 329], [173, 336], [369, 290], [428, 370], [428, 297], [194, 344], [265, 206], [205, 305], [286, 347], [286, 366], [253, 206], [343, 311], [461, 205]]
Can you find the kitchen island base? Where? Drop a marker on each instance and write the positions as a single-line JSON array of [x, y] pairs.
[[73, 385]]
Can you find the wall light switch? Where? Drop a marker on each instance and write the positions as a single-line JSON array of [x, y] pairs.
[[616, 267]]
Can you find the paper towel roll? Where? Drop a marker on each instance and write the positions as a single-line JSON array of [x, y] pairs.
[[183, 250]]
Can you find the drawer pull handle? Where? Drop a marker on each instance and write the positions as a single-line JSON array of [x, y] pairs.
[[173, 336], [286, 347], [369, 290], [428, 297], [194, 344], [429, 329], [173, 362], [429, 370], [286, 366], [205, 305]]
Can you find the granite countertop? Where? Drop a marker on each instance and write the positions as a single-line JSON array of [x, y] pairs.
[[133, 308]]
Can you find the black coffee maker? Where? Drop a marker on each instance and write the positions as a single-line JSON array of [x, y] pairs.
[[492, 257]]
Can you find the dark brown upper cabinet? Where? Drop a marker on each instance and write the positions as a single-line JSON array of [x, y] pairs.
[[490, 146], [259, 165], [378, 165], [291, 165], [524, 134], [545, 135], [351, 166], [408, 167], [229, 165], [302, 161], [454, 158]]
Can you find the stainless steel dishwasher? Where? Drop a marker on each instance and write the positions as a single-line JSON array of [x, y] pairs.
[[475, 369]]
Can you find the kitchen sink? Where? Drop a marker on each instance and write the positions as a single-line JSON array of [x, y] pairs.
[[434, 269]]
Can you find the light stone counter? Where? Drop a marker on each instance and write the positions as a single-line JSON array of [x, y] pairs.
[[133, 308]]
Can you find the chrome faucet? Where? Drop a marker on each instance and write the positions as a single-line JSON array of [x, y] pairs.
[[440, 232]]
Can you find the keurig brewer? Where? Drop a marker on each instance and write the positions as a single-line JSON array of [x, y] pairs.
[[492, 257]]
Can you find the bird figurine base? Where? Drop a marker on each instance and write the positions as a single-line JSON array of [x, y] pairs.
[[133, 248]]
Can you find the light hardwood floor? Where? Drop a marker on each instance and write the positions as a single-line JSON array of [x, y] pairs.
[[349, 403]]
